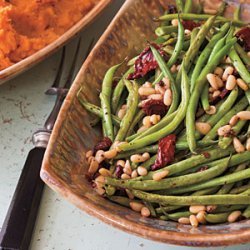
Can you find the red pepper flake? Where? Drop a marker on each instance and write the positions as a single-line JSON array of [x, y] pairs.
[[243, 36], [190, 25], [166, 152], [154, 107], [203, 168], [206, 154], [104, 145], [145, 63]]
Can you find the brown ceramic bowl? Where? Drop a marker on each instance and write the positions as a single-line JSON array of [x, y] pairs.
[[64, 165], [37, 57]]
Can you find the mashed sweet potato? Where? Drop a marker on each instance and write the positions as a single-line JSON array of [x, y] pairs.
[[28, 25]]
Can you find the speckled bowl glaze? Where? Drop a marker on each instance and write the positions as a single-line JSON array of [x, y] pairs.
[[64, 165], [25, 64]]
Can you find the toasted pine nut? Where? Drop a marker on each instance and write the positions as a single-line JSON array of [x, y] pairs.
[[167, 99], [211, 208], [134, 174], [142, 129], [147, 85], [224, 130], [88, 154], [90, 159], [104, 172], [100, 181], [173, 69], [228, 71], [145, 91], [174, 22], [234, 216], [196, 209], [99, 156], [136, 206], [184, 220], [145, 212], [201, 217], [146, 156], [93, 166], [231, 82], [216, 93], [110, 154], [160, 175], [233, 120], [121, 113], [244, 115], [212, 110], [127, 170], [155, 97], [212, 80], [146, 121], [120, 163], [242, 84], [218, 71], [238, 146], [130, 195], [136, 158], [193, 220], [248, 144], [154, 119], [159, 89], [100, 191], [125, 176], [187, 32], [142, 171], [203, 127], [127, 164], [219, 82], [166, 82]]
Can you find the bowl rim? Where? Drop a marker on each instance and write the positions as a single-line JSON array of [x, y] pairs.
[[83, 203], [26, 63]]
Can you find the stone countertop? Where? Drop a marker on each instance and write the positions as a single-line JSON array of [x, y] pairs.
[[59, 226]]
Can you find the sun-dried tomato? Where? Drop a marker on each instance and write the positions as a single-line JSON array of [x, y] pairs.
[[154, 107], [243, 36], [190, 25], [224, 92], [166, 152], [172, 9], [202, 169], [145, 63], [118, 171], [104, 145]]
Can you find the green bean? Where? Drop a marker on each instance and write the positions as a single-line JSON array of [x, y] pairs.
[[194, 33], [237, 13], [246, 212], [169, 183], [135, 121], [188, 6], [120, 200], [132, 104], [162, 30], [118, 90], [243, 55], [238, 190], [179, 6], [193, 200], [204, 98], [222, 8], [241, 105], [189, 16], [151, 208], [131, 62], [186, 45], [217, 218], [178, 215], [223, 209], [147, 164]]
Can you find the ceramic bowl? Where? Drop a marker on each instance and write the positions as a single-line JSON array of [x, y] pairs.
[[64, 165], [37, 57]]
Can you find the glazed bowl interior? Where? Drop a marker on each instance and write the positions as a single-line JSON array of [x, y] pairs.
[[64, 165]]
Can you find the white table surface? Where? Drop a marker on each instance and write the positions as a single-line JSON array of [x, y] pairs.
[[59, 226]]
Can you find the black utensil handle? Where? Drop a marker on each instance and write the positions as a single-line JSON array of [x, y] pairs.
[[20, 219]]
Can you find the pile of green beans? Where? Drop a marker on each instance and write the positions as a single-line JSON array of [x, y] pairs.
[[198, 93]]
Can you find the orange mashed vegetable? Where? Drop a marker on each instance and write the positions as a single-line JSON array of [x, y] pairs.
[[26, 26]]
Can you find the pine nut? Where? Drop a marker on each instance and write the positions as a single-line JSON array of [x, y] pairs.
[[234, 216], [228, 71], [134, 174], [187, 32], [142, 129], [100, 181], [166, 82], [212, 80], [127, 170], [99, 156], [104, 172], [203, 127], [127, 164], [145, 212], [93, 166], [233, 120], [121, 113], [216, 93], [100, 191], [160, 175], [219, 82], [88, 154], [218, 71], [238, 146], [242, 84], [193, 221], [211, 208], [144, 91], [136, 206], [130, 195], [136, 158], [146, 121], [125, 177], [248, 53], [173, 69], [110, 154], [244, 115], [120, 163], [222, 131], [175, 22], [155, 97], [159, 89], [147, 85], [196, 209], [184, 220], [146, 156], [178, 67], [201, 217], [211, 89], [209, 11], [231, 82], [248, 144], [142, 171], [167, 99], [212, 110], [90, 159], [228, 60], [154, 119]]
